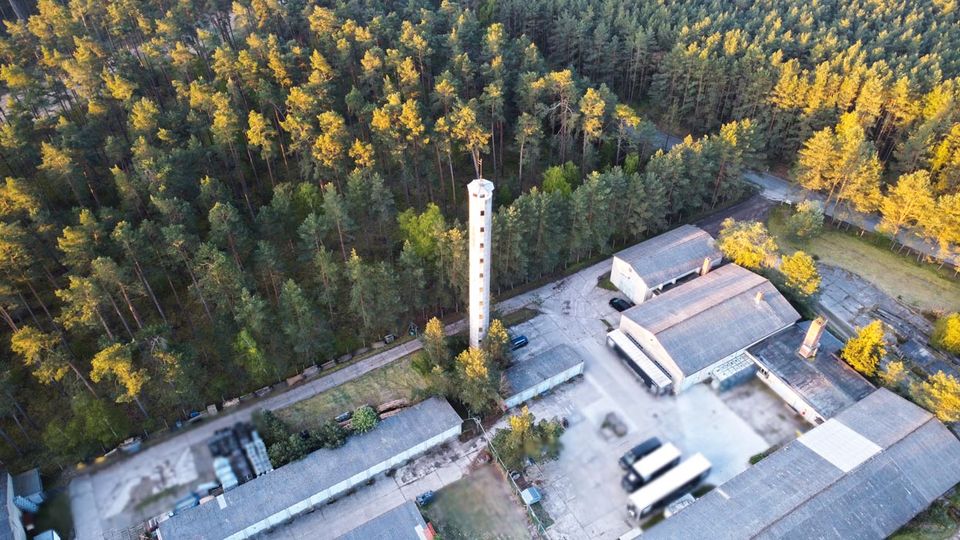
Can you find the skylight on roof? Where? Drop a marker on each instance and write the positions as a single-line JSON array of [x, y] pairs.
[[843, 447]]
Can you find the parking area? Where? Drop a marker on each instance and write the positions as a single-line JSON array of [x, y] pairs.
[[581, 489]]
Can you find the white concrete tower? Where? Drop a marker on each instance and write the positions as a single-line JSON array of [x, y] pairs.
[[481, 225]]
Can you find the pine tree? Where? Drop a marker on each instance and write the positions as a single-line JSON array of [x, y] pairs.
[[907, 203]]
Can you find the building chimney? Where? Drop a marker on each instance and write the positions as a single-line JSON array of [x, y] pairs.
[[706, 266], [759, 298], [811, 342]]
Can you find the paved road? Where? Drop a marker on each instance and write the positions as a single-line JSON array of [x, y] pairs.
[[780, 189], [101, 500]]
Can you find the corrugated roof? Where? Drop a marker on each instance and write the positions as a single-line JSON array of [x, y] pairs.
[[274, 492], [664, 257], [714, 316], [528, 373], [6, 532], [827, 383], [401, 523], [797, 493], [28, 483]]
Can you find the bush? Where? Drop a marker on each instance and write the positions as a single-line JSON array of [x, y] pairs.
[[364, 419], [806, 221], [527, 439], [292, 449], [279, 453], [270, 427], [946, 333], [422, 364], [331, 434]]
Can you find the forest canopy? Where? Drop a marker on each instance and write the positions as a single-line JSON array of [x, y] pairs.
[[200, 198]]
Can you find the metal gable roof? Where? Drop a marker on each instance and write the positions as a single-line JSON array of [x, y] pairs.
[[714, 316], [797, 493], [664, 257]]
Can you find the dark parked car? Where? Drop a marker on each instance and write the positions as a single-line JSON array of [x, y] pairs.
[[425, 498], [620, 304], [518, 342], [638, 452]]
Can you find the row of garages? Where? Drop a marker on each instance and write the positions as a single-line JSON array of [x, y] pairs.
[[278, 497]]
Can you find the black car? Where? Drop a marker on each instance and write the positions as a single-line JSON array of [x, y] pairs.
[[620, 304], [518, 342], [638, 452]]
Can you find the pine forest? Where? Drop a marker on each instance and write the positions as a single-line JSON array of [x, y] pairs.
[[200, 198]]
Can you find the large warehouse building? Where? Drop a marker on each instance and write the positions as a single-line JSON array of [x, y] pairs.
[[649, 267], [692, 330], [862, 474], [274, 498]]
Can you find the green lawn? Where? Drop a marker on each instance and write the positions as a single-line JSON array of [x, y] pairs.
[[394, 381], [604, 283], [939, 522], [918, 284], [480, 506], [521, 315]]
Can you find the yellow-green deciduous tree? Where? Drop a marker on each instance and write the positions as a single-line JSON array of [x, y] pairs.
[[907, 202], [806, 221], [435, 342], [800, 273], [747, 243], [946, 333], [865, 350], [893, 374], [940, 394], [475, 382], [495, 342]]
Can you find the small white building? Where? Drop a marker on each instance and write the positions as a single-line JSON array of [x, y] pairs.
[[693, 330], [531, 377], [649, 267], [800, 365]]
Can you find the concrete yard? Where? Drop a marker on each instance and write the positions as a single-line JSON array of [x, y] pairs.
[[582, 492], [432, 471], [766, 413]]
